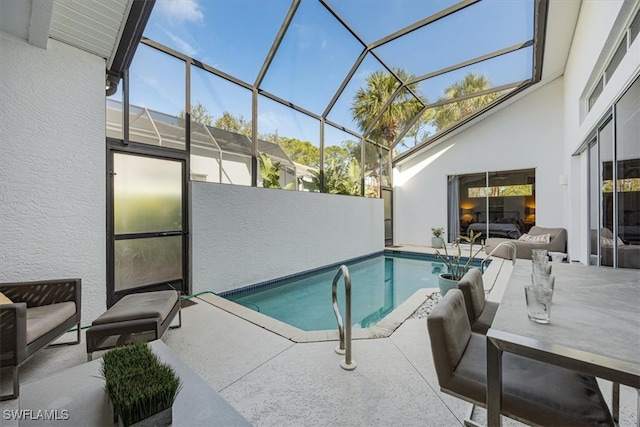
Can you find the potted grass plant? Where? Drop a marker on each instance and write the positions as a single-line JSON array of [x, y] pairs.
[[437, 241], [141, 388], [457, 265]]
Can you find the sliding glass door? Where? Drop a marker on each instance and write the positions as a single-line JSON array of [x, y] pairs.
[[496, 204]]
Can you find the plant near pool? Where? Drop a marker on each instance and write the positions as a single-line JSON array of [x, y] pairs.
[[137, 383], [454, 262]]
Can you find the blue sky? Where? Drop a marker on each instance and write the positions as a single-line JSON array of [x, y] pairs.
[[317, 53]]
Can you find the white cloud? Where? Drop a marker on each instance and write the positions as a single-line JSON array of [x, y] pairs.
[[181, 10], [182, 45]]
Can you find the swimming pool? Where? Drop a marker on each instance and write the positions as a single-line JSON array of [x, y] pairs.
[[379, 284]]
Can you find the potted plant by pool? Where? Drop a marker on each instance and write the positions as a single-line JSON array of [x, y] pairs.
[[457, 266], [141, 388], [437, 241]]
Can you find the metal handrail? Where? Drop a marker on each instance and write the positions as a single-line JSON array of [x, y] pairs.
[[513, 248], [513, 254], [345, 334]]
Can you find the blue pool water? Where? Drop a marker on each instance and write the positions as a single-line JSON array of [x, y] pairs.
[[379, 284]]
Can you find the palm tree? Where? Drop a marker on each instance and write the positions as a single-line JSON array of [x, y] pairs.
[[369, 101], [446, 115]]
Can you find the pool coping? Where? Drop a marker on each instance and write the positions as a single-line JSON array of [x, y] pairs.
[[495, 277]]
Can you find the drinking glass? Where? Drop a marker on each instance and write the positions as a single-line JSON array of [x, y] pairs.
[[538, 303]]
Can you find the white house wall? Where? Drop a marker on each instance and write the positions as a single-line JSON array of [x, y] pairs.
[[244, 235], [526, 134], [600, 25], [52, 167]]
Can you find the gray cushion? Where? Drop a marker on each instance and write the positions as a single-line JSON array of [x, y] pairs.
[[472, 289], [146, 305], [41, 320], [449, 331], [483, 323]]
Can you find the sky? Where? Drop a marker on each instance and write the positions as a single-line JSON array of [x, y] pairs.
[[317, 52]]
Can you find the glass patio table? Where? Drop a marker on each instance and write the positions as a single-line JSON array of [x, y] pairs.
[[594, 328]]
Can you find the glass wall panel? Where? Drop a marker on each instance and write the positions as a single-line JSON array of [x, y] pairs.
[[378, 18], [488, 26], [147, 261], [372, 169], [472, 202], [342, 165], [234, 36], [147, 194], [313, 59], [628, 185], [353, 109], [297, 134], [594, 204], [236, 155], [605, 140], [386, 168], [157, 98], [512, 201], [279, 163], [505, 69], [221, 104]]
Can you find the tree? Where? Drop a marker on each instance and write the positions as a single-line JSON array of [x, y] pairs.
[[299, 151], [231, 123], [198, 114], [448, 114], [370, 100]]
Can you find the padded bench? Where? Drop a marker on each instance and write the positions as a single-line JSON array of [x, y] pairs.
[[136, 317]]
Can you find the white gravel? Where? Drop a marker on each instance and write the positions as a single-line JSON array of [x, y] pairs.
[[423, 311]]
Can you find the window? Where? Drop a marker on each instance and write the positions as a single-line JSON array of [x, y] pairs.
[[617, 58], [496, 204], [596, 93]]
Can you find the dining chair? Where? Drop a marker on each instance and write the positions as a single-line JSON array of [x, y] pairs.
[[479, 311], [532, 391]]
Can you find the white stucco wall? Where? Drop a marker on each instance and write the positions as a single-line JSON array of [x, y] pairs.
[[245, 235], [52, 167], [600, 25], [526, 134]]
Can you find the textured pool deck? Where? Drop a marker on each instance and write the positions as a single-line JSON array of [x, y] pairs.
[[274, 381]]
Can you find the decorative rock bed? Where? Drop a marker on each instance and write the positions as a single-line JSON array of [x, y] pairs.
[[423, 311]]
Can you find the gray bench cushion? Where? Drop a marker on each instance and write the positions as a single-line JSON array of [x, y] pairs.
[[43, 319], [140, 306]]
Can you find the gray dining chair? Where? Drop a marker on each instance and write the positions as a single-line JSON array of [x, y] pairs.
[[480, 311], [532, 391]]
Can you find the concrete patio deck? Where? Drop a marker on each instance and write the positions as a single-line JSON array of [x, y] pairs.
[[273, 381]]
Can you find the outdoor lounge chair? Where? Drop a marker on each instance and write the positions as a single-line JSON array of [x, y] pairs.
[[533, 392], [557, 243], [39, 313], [479, 311]]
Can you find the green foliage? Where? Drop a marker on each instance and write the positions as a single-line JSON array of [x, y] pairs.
[[198, 114], [370, 100], [231, 123], [340, 178], [437, 232], [448, 114], [457, 266], [302, 152], [137, 383], [269, 172]]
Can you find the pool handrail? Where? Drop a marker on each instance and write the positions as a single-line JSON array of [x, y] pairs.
[[511, 246], [345, 333]]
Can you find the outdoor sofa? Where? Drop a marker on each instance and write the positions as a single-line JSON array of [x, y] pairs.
[[557, 243]]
